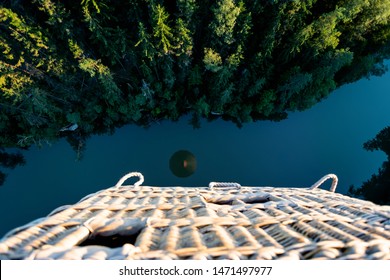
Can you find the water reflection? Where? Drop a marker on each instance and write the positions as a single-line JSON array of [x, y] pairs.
[[9, 160], [182, 163]]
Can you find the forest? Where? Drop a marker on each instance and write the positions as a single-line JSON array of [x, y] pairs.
[[72, 69]]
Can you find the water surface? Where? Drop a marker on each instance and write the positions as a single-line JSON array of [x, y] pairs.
[[295, 152]]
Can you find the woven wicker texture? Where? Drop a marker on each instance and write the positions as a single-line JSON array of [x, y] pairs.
[[233, 222]]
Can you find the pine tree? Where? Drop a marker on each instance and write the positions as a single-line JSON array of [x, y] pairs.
[[102, 63], [161, 29]]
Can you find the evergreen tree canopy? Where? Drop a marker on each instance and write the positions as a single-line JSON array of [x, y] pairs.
[[101, 64]]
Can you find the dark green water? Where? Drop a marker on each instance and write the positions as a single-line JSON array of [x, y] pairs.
[[293, 153]]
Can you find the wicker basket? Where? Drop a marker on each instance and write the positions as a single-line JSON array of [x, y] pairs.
[[223, 221]]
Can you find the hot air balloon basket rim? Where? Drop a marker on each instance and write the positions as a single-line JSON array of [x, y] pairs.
[[236, 222]]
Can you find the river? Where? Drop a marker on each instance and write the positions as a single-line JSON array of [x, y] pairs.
[[296, 152]]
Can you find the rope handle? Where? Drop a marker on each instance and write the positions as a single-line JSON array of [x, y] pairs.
[[224, 185], [323, 179], [129, 175]]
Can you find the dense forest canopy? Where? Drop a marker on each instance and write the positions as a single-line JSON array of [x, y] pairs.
[[102, 63], [75, 68]]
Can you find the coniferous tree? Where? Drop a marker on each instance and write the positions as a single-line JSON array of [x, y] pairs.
[[377, 188], [101, 64]]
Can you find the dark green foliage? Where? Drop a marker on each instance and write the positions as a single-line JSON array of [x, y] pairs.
[[377, 188], [9, 160], [381, 142], [104, 63]]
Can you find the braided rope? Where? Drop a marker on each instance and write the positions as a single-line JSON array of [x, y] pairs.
[[129, 175], [323, 179], [224, 185]]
